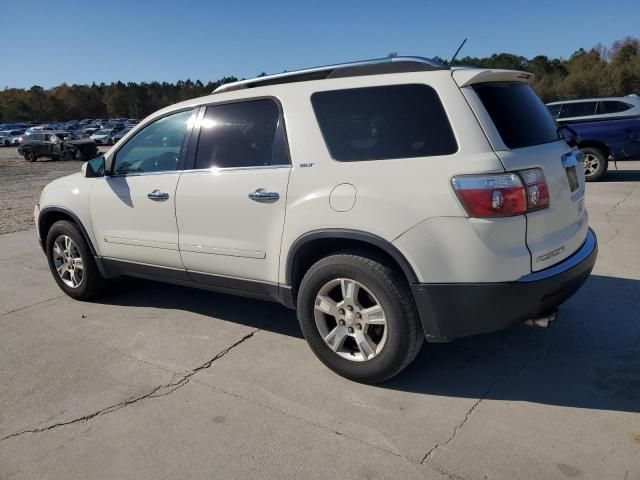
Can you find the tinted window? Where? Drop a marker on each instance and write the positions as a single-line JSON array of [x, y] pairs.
[[378, 123], [555, 110], [155, 148], [519, 115], [246, 134], [578, 109], [615, 107]]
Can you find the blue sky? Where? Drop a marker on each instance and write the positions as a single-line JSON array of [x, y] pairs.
[[144, 40]]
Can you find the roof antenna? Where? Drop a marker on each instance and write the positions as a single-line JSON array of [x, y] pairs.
[[457, 52]]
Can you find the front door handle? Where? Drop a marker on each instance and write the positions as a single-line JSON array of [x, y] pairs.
[[157, 195], [260, 195]]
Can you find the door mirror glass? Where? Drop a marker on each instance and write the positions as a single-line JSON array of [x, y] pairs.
[[93, 168]]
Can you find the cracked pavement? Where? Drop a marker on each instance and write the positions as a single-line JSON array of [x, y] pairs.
[[158, 381]]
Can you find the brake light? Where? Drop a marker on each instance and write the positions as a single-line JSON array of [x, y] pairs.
[[502, 194], [537, 190]]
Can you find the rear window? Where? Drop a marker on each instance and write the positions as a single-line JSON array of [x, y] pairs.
[[519, 115], [379, 123]]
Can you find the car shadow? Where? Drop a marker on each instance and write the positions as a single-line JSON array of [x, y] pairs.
[[614, 175], [589, 358]]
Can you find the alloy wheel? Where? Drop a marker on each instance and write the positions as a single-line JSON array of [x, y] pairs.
[[68, 261], [350, 319], [591, 164]]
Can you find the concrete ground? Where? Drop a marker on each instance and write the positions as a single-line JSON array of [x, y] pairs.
[[157, 381]]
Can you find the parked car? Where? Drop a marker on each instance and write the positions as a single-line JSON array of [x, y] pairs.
[[7, 136], [388, 201], [57, 146], [104, 136], [118, 135], [595, 109]]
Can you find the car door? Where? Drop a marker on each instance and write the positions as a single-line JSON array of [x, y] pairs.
[[230, 205], [38, 144], [133, 208]]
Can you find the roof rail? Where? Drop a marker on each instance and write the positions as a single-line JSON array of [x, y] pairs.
[[352, 69]]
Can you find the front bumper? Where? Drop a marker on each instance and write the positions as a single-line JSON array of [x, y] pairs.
[[453, 310]]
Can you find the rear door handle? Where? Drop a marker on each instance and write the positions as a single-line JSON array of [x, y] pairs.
[[157, 195], [260, 195]]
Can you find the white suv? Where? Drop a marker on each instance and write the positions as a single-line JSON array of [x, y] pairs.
[[388, 201]]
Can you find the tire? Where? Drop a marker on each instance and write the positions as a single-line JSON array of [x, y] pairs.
[[29, 156], [90, 283], [7, 143], [383, 287], [595, 164], [68, 155]]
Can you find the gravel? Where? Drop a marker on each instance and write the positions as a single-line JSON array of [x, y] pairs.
[[21, 183]]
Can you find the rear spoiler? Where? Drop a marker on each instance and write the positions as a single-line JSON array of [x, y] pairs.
[[469, 76]]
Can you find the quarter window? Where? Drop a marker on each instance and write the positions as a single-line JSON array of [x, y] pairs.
[[155, 148], [615, 107], [379, 123], [243, 134]]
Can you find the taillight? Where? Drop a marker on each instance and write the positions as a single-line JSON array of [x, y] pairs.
[[537, 190], [502, 194]]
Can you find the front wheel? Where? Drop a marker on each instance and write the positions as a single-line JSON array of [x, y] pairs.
[[595, 164], [29, 156], [71, 263], [358, 316]]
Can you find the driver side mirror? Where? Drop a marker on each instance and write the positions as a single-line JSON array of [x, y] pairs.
[[94, 168]]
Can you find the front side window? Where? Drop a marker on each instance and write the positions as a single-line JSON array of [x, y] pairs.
[[578, 109], [555, 110], [155, 148], [380, 123], [243, 134]]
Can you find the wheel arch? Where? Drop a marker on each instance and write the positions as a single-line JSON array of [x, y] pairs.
[[603, 147], [49, 215], [310, 247]]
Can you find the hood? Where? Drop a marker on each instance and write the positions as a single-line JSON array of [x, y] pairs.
[[82, 141]]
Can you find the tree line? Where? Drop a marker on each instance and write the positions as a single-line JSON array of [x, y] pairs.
[[600, 71]]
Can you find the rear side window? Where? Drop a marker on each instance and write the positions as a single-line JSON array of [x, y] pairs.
[[379, 123], [519, 115], [243, 134], [615, 107], [578, 109]]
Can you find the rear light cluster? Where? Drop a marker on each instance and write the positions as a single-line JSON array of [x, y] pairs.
[[502, 194]]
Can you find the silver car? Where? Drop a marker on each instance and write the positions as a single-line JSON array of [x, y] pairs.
[[7, 137], [596, 108]]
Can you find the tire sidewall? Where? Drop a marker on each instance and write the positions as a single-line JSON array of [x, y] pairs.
[[370, 371], [69, 229]]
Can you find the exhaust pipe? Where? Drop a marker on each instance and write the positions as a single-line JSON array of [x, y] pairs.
[[543, 321]]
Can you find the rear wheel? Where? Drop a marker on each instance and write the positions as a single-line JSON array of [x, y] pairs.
[[71, 263], [595, 164], [358, 316]]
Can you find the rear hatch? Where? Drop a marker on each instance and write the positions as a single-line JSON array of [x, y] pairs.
[[524, 135]]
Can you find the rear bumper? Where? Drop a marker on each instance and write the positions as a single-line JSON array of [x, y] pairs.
[[453, 310]]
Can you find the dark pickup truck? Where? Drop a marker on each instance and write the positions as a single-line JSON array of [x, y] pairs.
[[602, 141]]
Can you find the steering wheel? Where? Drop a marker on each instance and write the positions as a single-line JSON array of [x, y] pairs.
[[166, 161]]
